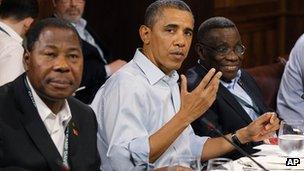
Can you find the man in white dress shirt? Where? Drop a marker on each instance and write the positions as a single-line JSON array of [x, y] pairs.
[[42, 127], [16, 16], [144, 119]]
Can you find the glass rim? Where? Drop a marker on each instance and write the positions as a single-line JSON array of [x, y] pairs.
[[292, 121], [220, 159]]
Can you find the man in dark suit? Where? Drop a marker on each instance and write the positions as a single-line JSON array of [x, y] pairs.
[[97, 61], [239, 101], [41, 126]]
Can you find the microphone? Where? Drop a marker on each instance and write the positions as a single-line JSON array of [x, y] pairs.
[[239, 149]]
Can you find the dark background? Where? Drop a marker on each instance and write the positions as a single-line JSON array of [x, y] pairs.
[[269, 28]]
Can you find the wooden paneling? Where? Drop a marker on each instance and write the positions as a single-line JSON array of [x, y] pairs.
[[269, 28], [255, 21], [45, 8]]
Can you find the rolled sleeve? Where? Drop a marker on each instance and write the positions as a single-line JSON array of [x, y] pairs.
[[197, 144], [139, 149]]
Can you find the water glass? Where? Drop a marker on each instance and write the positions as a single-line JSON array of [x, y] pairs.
[[185, 163], [291, 137], [220, 164]]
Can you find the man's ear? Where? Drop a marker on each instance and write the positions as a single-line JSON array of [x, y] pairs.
[[200, 51], [26, 60], [27, 24], [145, 34]]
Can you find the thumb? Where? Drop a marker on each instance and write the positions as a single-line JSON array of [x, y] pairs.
[[183, 84]]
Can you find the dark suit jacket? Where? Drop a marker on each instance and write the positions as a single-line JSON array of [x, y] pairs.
[[94, 73], [25, 142], [226, 113]]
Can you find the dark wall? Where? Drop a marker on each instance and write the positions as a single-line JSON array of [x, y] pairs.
[[118, 22], [269, 28]]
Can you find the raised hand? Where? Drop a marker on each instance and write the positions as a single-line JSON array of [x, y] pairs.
[[197, 102]]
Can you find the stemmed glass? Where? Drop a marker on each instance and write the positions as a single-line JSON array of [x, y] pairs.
[[291, 137], [224, 164], [185, 163]]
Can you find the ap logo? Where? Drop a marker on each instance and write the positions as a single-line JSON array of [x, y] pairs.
[[292, 161]]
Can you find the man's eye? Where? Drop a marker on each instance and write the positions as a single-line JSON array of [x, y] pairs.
[[50, 54], [73, 56], [188, 33], [222, 49], [170, 30], [239, 49]]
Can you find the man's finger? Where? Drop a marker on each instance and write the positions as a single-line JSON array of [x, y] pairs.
[[215, 81], [274, 118], [183, 84], [264, 118], [205, 80]]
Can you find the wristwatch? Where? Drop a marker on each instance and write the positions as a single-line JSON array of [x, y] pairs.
[[235, 139]]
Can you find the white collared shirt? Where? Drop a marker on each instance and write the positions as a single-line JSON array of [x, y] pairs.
[[54, 123], [133, 104], [11, 54]]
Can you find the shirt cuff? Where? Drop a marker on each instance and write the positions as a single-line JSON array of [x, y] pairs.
[[139, 149], [197, 145], [108, 70]]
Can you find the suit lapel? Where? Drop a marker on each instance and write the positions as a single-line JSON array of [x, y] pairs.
[[34, 126], [233, 103], [224, 93], [74, 134], [249, 90]]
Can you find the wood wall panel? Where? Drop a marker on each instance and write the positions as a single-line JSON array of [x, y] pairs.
[[255, 20], [269, 28]]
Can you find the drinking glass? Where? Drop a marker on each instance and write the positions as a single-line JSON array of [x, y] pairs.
[[291, 137], [220, 164], [185, 163]]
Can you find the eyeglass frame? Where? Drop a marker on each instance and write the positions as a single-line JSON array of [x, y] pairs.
[[77, 1], [223, 54]]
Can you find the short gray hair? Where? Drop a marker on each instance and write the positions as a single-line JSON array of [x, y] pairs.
[[156, 8], [213, 23]]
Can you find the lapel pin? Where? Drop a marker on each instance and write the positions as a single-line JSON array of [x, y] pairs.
[[74, 129], [75, 132]]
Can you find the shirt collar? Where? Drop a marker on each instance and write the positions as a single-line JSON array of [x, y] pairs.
[[81, 24], [153, 73], [11, 32], [233, 82], [45, 112]]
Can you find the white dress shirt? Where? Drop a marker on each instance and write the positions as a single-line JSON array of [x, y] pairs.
[[238, 91], [132, 105], [54, 123], [11, 54]]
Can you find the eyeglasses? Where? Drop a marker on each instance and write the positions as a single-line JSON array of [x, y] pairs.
[[75, 1], [224, 50]]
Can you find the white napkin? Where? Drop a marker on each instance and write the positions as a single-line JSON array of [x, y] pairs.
[[269, 162]]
